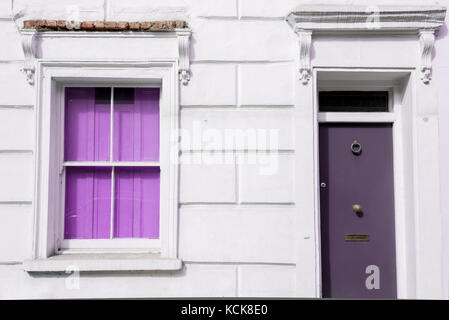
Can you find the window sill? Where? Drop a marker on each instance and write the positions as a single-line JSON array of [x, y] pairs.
[[102, 262]]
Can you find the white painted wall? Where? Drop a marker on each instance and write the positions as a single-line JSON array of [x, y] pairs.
[[441, 76], [236, 225]]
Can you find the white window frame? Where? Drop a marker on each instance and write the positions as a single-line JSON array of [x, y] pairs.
[[113, 244], [53, 78]]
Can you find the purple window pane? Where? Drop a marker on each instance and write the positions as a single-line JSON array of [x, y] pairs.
[[87, 203], [136, 124], [136, 206], [87, 124]]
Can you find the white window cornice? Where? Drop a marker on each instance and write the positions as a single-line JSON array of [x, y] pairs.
[[322, 18], [34, 48]]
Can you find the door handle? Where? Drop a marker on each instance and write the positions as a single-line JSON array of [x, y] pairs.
[[357, 208]]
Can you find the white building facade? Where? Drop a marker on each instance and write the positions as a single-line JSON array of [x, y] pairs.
[[239, 158]]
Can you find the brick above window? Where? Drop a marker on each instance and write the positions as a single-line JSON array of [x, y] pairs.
[[62, 25]]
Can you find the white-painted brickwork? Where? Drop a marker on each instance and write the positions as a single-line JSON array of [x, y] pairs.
[[193, 281], [17, 123], [256, 234], [55, 9], [17, 176], [141, 9], [9, 35], [240, 40], [266, 8], [208, 178], [14, 90], [221, 128], [266, 84], [210, 9], [5, 9], [266, 178], [266, 281], [211, 84], [15, 232]]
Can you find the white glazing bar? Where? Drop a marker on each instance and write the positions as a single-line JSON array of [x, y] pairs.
[[111, 233], [111, 159], [356, 117], [111, 131], [111, 164]]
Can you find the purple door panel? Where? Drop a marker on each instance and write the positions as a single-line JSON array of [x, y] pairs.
[[357, 211]]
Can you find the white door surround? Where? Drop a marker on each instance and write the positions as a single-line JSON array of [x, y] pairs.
[[371, 47]]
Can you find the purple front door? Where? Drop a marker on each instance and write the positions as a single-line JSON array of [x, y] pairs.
[[357, 211]]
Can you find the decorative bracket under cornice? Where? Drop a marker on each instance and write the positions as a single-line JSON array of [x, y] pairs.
[[305, 42], [427, 40], [28, 46], [330, 19], [184, 59]]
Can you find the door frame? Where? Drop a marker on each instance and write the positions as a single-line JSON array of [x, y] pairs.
[[393, 117], [417, 214]]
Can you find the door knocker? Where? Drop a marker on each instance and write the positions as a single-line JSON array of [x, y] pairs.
[[356, 148]]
